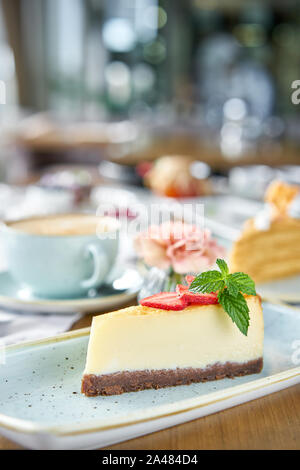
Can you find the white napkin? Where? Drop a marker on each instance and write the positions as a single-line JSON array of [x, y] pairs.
[[19, 327]]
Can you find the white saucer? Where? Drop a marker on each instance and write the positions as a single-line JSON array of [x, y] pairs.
[[121, 289]]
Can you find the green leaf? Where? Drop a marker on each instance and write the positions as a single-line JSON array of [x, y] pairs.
[[207, 282], [223, 267], [232, 287], [237, 309], [243, 282]]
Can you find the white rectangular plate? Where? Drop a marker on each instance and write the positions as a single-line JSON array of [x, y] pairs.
[[41, 406]]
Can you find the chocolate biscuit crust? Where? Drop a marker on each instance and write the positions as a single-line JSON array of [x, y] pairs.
[[134, 381]]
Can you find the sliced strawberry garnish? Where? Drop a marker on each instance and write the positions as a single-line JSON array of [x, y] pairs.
[[165, 301], [181, 290], [192, 298], [189, 279], [201, 299]]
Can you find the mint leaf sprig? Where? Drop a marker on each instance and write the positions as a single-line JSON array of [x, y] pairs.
[[230, 288]]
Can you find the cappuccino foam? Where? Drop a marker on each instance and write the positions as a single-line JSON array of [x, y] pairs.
[[60, 225]]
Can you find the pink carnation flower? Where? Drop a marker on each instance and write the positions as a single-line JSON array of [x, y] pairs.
[[184, 247]]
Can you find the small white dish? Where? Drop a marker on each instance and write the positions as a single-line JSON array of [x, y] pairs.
[[122, 288]]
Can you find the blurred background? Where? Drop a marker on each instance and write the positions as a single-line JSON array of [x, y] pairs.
[[97, 91]]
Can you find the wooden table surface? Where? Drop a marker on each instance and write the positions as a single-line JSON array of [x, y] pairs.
[[271, 422]]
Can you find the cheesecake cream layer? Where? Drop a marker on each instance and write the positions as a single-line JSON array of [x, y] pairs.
[[270, 254], [142, 338]]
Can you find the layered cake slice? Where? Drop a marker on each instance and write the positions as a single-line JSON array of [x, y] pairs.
[[269, 245], [182, 342]]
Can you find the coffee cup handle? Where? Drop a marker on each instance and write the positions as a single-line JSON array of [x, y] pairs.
[[100, 266]]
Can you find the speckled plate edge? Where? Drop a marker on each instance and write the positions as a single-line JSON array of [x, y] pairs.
[[254, 388]]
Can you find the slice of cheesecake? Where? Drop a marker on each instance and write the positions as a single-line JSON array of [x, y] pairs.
[[141, 347]]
